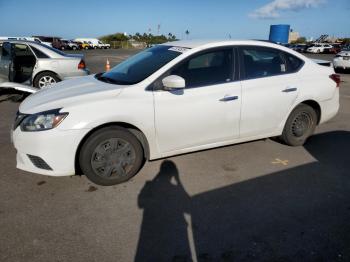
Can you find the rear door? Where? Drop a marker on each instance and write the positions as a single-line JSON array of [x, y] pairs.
[[269, 88], [6, 63]]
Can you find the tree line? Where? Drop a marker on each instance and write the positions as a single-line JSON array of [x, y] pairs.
[[149, 38]]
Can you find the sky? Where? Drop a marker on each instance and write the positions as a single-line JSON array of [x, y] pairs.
[[248, 19]]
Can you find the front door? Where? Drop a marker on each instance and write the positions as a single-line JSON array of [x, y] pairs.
[[207, 111]]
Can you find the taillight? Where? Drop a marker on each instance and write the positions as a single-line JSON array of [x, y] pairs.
[[335, 78], [81, 64]]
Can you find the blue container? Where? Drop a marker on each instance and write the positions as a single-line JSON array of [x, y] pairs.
[[279, 33]]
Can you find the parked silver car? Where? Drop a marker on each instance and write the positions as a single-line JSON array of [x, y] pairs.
[[35, 64]]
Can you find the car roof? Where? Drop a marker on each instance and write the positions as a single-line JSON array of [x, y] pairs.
[[207, 43], [42, 47]]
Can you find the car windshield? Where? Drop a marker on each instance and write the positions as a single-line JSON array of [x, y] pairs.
[[140, 66]]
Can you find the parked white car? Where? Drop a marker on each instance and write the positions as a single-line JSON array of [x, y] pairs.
[[342, 60], [93, 42], [171, 99], [319, 48]]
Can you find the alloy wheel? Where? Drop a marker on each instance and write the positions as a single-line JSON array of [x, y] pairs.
[[45, 81]]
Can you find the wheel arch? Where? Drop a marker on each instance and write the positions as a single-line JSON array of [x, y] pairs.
[[133, 129], [44, 71], [316, 106]]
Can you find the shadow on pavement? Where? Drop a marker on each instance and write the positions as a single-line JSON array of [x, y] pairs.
[[299, 214]]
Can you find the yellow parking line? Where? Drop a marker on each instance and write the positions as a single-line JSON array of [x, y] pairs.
[[279, 161]]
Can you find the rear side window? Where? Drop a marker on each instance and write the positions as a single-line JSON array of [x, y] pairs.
[[293, 63], [213, 67], [262, 62], [38, 53]]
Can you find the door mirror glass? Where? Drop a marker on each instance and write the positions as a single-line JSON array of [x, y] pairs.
[[173, 82]]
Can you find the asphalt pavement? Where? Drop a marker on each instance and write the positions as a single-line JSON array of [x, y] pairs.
[[256, 201]]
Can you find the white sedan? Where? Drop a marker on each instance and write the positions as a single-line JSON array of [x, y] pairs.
[[342, 60], [319, 48], [172, 99]]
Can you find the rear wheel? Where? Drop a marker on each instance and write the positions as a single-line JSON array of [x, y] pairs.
[[110, 156], [45, 79], [300, 125]]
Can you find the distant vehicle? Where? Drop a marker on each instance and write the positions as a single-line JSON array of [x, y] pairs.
[[47, 40], [93, 42], [106, 46], [336, 48], [345, 47], [301, 48], [319, 48], [35, 64], [216, 92], [60, 44], [70, 44], [83, 44], [342, 60]]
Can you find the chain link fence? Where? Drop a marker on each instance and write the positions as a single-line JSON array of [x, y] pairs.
[[128, 44]]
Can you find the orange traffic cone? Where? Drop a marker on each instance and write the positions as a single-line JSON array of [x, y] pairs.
[[108, 67]]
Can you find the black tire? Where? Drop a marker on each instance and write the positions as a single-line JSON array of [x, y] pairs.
[[74, 48], [96, 152], [40, 76], [300, 125]]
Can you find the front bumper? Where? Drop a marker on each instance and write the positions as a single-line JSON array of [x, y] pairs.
[[57, 148]]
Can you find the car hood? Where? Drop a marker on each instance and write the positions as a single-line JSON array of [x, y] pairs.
[[68, 93]]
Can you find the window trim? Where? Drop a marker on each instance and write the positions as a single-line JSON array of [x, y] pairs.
[[32, 48], [281, 54], [234, 70]]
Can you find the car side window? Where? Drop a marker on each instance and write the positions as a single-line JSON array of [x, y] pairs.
[[293, 63], [262, 62], [38, 53], [209, 68]]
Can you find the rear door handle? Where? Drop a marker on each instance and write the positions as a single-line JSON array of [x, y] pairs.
[[290, 89], [228, 98]]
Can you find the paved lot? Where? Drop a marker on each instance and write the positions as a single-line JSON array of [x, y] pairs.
[[257, 201]]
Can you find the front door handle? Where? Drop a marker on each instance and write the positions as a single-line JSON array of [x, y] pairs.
[[228, 98], [290, 89]]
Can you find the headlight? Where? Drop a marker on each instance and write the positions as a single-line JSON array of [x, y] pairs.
[[43, 121]]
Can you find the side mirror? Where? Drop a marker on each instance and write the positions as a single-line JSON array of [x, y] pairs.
[[173, 82]]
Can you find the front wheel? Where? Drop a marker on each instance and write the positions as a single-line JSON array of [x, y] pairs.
[[110, 156], [300, 125]]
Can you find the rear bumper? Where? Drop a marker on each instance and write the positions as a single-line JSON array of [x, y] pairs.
[[82, 72], [329, 108]]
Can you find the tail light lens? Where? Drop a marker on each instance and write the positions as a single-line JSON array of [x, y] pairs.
[[335, 78], [81, 64]]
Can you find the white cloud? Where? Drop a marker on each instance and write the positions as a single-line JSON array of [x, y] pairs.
[[272, 10]]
